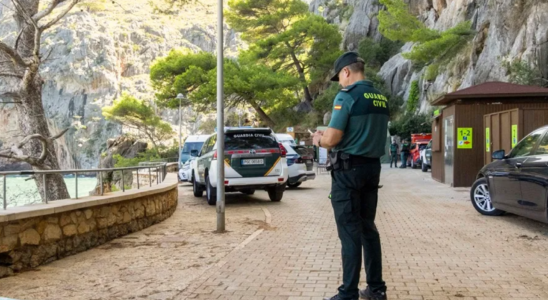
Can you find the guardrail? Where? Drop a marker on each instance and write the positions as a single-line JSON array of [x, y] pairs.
[[160, 171]]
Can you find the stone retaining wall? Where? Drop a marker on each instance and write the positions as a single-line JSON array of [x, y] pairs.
[[26, 243]]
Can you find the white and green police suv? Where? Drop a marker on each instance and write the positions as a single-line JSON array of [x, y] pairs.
[[254, 159]]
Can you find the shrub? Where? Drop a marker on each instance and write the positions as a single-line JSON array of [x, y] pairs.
[[521, 72], [411, 123], [414, 95], [432, 72], [375, 53]]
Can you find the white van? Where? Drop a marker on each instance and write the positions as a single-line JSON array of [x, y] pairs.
[[192, 142]]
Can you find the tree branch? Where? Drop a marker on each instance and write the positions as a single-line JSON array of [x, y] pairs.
[[30, 20], [16, 151], [53, 4], [18, 39], [11, 75], [60, 16], [16, 58]]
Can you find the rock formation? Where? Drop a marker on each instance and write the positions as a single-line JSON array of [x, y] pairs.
[[505, 30], [100, 50]]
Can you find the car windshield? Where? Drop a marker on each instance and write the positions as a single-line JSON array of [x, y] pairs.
[[189, 146], [422, 146], [250, 140]]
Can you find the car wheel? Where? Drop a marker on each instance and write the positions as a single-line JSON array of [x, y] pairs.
[[276, 193], [211, 193], [248, 192], [294, 185], [196, 188], [424, 168], [481, 199]]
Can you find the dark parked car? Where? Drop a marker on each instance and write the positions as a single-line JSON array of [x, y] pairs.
[[517, 182]]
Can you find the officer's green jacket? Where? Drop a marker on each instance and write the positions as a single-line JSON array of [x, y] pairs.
[[362, 113]]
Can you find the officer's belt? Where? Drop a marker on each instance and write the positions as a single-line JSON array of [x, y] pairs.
[[345, 161]]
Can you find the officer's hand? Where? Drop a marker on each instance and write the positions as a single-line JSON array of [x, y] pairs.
[[316, 137]]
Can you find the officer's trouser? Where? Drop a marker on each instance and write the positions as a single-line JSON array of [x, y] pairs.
[[354, 199], [404, 156], [394, 159]]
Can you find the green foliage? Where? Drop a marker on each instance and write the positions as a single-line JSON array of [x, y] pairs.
[[136, 114], [413, 99], [446, 46], [286, 36], [246, 82], [122, 162], [411, 123], [208, 126], [521, 72], [398, 24], [181, 71], [432, 72], [375, 53], [261, 19], [324, 102]]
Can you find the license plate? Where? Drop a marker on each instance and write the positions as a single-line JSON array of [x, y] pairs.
[[250, 162]]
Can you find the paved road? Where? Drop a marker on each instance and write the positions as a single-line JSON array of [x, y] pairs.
[[435, 247]]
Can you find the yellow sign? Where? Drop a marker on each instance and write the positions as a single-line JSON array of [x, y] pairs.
[[464, 140], [487, 140], [514, 135]]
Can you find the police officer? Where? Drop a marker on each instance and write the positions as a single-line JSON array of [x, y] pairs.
[[394, 154], [357, 137], [404, 154]]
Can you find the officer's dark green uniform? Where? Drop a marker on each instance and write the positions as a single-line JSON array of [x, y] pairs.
[[361, 112]]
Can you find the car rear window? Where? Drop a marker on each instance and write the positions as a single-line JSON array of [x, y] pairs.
[[250, 140], [303, 151]]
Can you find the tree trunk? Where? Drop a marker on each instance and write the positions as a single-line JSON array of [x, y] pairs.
[[31, 115], [32, 120], [263, 115], [297, 63]]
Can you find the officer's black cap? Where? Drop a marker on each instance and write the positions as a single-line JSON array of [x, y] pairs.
[[344, 60]]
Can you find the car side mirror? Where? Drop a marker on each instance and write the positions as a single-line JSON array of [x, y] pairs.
[[194, 153], [500, 154]]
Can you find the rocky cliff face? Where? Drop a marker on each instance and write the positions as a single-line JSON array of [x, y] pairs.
[[505, 30], [100, 50]]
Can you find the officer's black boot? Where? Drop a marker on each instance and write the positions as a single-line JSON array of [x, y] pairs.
[[367, 294]]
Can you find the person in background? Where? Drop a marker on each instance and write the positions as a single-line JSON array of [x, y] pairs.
[[394, 154], [404, 154]]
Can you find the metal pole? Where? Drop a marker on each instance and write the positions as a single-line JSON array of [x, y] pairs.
[[5, 195], [180, 132], [45, 189], [220, 123], [123, 185], [137, 178], [149, 177], [157, 176], [101, 182], [76, 183]]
